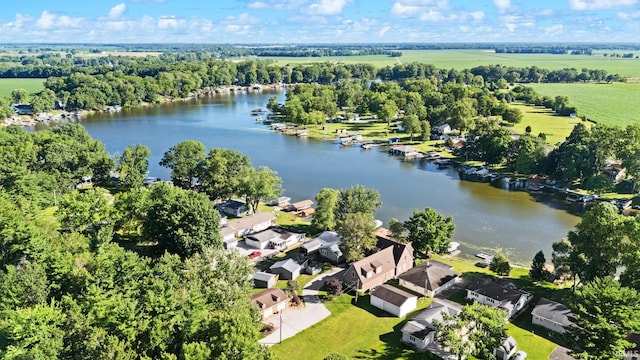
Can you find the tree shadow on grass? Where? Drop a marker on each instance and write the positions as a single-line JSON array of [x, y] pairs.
[[394, 348], [363, 302]]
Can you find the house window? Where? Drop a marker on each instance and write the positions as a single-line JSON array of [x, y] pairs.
[[412, 338]]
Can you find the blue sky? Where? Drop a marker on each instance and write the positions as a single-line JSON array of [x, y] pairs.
[[320, 21]]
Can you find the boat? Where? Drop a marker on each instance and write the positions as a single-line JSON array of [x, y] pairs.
[[257, 111], [574, 196]]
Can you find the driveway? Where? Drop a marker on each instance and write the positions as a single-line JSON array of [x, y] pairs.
[[291, 321]]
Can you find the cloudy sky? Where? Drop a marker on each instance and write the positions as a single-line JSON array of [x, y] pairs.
[[319, 21]]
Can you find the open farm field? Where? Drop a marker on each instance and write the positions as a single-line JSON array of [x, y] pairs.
[[31, 85], [611, 104], [464, 59]]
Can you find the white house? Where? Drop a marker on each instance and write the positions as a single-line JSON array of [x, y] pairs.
[[273, 238], [421, 333], [429, 279], [246, 225], [551, 315], [503, 295], [506, 350], [393, 300]]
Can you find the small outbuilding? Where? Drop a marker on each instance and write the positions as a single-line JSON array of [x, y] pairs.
[[393, 300], [264, 280]]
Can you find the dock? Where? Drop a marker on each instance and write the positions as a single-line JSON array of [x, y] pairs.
[[405, 151]]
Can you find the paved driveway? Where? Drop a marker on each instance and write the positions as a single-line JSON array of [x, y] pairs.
[[292, 321]]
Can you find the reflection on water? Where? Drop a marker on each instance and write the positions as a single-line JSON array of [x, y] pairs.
[[485, 217]]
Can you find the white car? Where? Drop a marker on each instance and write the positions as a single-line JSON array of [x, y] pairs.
[[520, 355]]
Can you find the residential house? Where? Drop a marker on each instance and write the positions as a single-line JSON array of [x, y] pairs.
[[229, 239], [506, 350], [273, 238], [391, 259], [288, 269], [22, 109], [500, 294], [280, 202], [327, 245], [333, 253], [614, 171], [393, 300], [441, 129], [246, 225], [551, 315], [421, 333], [430, 278], [270, 301], [264, 280], [235, 208]]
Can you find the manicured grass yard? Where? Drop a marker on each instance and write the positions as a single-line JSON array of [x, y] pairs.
[[355, 330], [555, 127], [611, 104], [31, 85]]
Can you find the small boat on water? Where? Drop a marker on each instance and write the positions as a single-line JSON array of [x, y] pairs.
[[257, 111]]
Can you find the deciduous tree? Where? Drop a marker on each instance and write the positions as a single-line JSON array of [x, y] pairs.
[[430, 231], [326, 207], [184, 160], [356, 231], [500, 265]]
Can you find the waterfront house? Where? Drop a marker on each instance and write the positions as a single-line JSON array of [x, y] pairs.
[[235, 208], [429, 279], [246, 225], [551, 315], [301, 205], [501, 294], [270, 301], [22, 109], [391, 259], [264, 280], [441, 129], [280, 202], [273, 238], [421, 333], [288, 269], [393, 300]]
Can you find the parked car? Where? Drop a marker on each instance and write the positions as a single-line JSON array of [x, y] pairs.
[[520, 355], [255, 254]]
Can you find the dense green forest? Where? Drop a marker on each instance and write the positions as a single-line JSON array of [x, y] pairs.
[[116, 270]]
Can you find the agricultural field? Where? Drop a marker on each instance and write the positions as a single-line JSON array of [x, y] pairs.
[[465, 59], [31, 85], [555, 127], [611, 104]]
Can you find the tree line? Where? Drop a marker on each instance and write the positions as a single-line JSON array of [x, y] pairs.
[[118, 270]]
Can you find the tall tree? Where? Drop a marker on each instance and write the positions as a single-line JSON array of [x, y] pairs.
[[595, 242], [260, 184], [430, 231], [184, 160], [500, 265], [357, 199], [605, 313], [411, 125], [538, 271], [223, 171], [133, 165], [356, 231], [181, 222], [326, 205], [425, 128]]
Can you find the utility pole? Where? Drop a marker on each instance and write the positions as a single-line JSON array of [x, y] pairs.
[[281, 326]]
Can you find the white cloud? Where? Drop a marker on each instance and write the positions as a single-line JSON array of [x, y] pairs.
[[599, 4], [502, 5], [328, 7], [404, 10], [117, 11], [46, 20], [545, 12], [168, 22], [477, 15], [556, 29], [19, 21], [258, 5], [435, 16], [629, 16], [383, 30]]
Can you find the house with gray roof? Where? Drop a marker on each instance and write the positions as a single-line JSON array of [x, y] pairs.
[[327, 245], [273, 238], [429, 279], [264, 280], [501, 294], [288, 269], [421, 333], [244, 226], [551, 315], [506, 349], [393, 300]]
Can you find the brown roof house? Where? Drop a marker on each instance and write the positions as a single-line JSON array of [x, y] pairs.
[[430, 278], [392, 259], [270, 301]]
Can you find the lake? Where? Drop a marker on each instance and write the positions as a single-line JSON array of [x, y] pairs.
[[486, 218]]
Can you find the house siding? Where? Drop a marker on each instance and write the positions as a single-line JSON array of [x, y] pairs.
[[547, 324]]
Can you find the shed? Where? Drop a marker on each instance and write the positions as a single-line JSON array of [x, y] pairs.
[[264, 280], [393, 300], [302, 205]]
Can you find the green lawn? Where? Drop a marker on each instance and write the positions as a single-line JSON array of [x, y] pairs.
[[31, 85], [612, 104], [466, 59], [356, 330], [555, 127]]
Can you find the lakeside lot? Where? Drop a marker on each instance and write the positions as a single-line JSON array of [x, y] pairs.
[[358, 330], [611, 104], [31, 85], [466, 59]]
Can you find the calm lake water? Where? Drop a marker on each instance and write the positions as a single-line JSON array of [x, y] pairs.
[[486, 217]]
